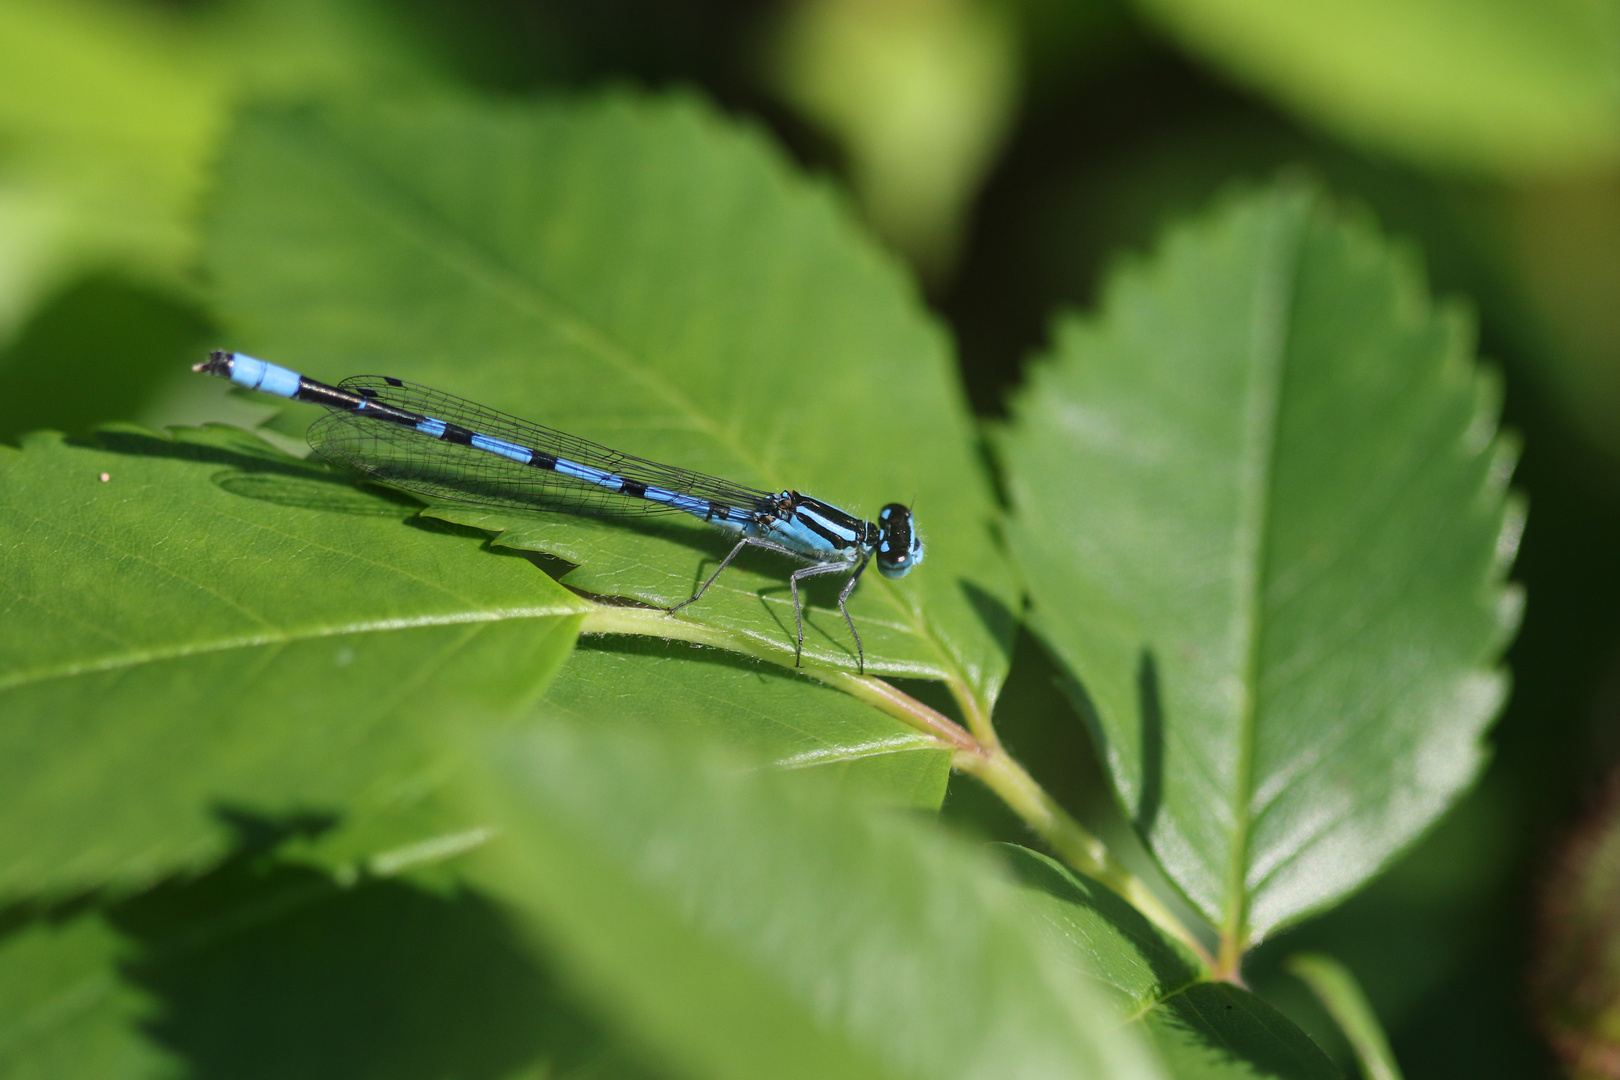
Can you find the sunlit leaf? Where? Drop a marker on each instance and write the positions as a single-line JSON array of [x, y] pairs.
[[1263, 499], [644, 274], [110, 114], [920, 95], [197, 628], [788, 721], [1513, 86]]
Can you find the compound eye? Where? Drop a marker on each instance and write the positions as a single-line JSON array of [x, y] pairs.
[[899, 549]]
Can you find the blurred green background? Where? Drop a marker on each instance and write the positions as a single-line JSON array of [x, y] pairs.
[[1008, 151]]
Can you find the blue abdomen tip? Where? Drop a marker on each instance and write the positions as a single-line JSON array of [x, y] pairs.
[[256, 374]]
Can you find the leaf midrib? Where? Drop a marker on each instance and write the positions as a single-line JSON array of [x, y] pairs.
[[828, 755], [133, 658], [113, 660], [1273, 317]]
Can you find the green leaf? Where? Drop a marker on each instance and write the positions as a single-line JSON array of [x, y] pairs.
[[1100, 934], [1217, 1031], [640, 273], [64, 1010], [196, 627], [1263, 499], [790, 721], [749, 926], [110, 113], [1204, 1030], [267, 968], [1336, 987], [104, 132], [920, 96], [1512, 86]]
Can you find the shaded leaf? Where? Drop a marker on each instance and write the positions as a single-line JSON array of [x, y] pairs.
[[95, 353], [1217, 1031], [639, 273], [1264, 498], [1336, 987], [263, 968], [1100, 935], [1204, 1030], [217, 627], [750, 926]]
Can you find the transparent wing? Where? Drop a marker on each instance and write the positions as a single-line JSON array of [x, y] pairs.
[[414, 461]]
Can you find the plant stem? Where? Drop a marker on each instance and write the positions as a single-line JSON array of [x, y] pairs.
[[977, 752], [1229, 959]]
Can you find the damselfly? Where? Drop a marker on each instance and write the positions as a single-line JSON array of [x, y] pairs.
[[445, 447]]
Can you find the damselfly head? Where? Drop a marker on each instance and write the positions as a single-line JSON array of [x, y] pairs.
[[899, 546]]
